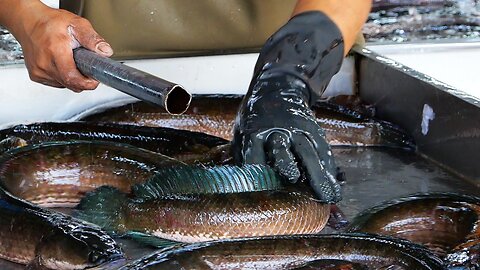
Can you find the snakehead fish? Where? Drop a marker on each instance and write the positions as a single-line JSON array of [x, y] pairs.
[[43, 239], [192, 204], [215, 115], [294, 252], [58, 174], [449, 224], [174, 143]]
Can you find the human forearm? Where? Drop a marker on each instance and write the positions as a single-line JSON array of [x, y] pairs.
[[348, 15], [10, 10], [16, 15], [48, 37]]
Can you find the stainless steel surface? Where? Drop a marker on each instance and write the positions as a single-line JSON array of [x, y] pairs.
[[450, 133]]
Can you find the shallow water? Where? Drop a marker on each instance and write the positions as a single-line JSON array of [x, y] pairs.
[[373, 175]]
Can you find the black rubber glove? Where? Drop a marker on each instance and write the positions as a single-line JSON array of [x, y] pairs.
[[275, 124]]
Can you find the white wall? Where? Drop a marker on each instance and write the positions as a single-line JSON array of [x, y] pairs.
[[456, 64], [23, 101]]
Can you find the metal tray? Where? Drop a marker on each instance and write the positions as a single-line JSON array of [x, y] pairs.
[[402, 95]]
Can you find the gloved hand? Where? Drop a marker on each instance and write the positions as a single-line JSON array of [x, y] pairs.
[[275, 124]]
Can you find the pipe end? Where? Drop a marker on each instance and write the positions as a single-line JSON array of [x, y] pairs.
[[177, 100]]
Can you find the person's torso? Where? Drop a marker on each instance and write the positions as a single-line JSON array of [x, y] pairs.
[[161, 28]]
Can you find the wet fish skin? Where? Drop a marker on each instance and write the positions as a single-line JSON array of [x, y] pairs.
[[166, 141], [203, 217], [58, 174], [449, 224], [341, 129], [48, 240], [332, 265], [290, 252]]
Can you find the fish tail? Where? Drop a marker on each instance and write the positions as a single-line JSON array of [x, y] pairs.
[[150, 240], [393, 136], [103, 207]]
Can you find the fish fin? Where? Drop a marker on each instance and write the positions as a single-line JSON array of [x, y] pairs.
[[150, 240], [103, 207], [185, 180], [337, 219]]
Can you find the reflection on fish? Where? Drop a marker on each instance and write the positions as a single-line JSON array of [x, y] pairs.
[[332, 265], [207, 204], [166, 141], [48, 240], [58, 174], [291, 252], [449, 224], [215, 115]]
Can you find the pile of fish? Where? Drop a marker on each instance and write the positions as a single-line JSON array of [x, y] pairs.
[[343, 126], [137, 173], [448, 224]]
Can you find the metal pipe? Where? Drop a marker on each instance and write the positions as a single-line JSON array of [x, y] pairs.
[[134, 82]]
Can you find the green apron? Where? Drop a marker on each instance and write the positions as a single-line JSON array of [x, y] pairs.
[[166, 28]]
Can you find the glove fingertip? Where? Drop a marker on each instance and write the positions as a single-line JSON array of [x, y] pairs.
[[289, 172]]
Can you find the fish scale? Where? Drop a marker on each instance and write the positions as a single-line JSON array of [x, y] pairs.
[[58, 174], [223, 215], [291, 252], [171, 204]]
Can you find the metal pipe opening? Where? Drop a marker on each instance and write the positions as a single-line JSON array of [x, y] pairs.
[[177, 100]]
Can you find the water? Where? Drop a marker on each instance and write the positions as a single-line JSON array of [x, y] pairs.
[[454, 20], [10, 49], [373, 175]]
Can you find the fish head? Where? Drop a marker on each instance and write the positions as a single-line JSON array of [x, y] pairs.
[[77, 250]]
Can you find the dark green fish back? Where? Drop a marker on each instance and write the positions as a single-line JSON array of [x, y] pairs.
[[209, 180], [103, 207]]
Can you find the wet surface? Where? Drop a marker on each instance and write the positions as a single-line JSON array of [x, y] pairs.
[[453, 20], [10, 49], [372, 175]]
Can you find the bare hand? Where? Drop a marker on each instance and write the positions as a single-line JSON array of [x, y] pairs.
[[48, 37]]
